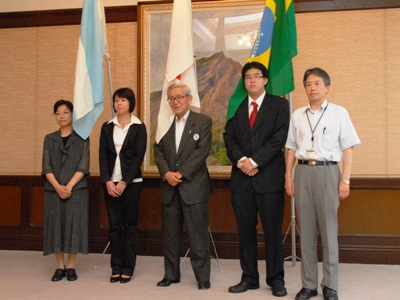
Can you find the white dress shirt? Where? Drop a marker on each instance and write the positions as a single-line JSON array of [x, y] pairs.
[[259, 101], [334, 133], [179, 127], [119, 135]]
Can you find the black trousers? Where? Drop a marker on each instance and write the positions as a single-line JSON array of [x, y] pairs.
[[270, 208], [123, 219]]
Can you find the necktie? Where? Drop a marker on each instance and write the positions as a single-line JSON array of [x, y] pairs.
[[253, 114]]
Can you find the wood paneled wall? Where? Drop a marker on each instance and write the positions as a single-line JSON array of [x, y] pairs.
[[368, 221], [368, 233]]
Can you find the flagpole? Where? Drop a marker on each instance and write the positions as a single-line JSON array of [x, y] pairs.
[[108, 59], [292, 224]]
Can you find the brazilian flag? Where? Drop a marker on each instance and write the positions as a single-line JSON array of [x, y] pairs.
[[274, 47]]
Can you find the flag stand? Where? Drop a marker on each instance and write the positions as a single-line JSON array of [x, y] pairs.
[[104, 251], [108, 59], [292, 224], [110, 81], [215, 250]]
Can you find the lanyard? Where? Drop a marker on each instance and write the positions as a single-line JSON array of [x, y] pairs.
[[309, 123]]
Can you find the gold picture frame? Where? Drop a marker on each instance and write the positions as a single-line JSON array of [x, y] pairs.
[[218, 27]]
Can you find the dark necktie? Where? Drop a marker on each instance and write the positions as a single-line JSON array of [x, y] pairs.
[[253, 114]]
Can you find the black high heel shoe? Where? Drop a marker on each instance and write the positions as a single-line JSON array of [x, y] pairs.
[[125, 280], [58, 275], [114, 279]]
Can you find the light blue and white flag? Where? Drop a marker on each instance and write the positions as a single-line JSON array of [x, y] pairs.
[[89, 73]]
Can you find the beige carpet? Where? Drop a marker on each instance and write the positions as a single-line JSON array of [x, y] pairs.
[[26, 275]]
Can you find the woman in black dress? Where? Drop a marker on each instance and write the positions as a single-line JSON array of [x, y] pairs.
[[122, 149], [65, 166]]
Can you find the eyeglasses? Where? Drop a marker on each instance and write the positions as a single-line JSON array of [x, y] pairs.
[[178, 98], [255, 77], [65, 113]]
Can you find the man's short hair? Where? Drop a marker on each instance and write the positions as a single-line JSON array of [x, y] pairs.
[[254, 65], [317, 72]]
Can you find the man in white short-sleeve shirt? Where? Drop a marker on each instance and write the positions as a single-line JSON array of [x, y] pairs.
[[320, 135]]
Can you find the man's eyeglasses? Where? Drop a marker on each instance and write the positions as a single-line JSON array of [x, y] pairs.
[[255, 77], [178, 98]]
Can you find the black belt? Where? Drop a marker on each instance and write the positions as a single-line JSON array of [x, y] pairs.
[[316, 162]]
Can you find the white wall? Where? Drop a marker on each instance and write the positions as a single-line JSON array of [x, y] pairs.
[[31, 5]]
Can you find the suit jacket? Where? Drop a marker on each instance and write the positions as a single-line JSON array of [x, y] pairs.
[[263, 143], [190, 160], [131, 154]]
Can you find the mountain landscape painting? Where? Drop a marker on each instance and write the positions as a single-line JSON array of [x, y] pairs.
[[218, 31]]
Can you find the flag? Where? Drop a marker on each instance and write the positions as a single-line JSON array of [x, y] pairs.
[[180, 63], [274, 47], [89, 73]]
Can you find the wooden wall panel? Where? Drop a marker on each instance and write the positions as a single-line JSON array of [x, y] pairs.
[[150, 208], [103, 217], [345, 35], [37, 207], [362, 74], [370, 212], [392, 79], [10, 205], [368, 220]]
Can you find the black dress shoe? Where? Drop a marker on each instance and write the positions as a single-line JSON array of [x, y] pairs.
[[167, 282], [71, 275], [242, 287], [204, 285], [306, 294], [58, 275], [125, 279], [279, 290], [329, 294], [114, 279]]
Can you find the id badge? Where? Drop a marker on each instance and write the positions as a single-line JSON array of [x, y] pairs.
[[311, 154]]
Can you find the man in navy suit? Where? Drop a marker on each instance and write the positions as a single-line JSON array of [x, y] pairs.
[[254, 138], [185, 189]]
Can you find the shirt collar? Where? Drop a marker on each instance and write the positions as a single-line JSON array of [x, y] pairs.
[[259, 100], [184, 118], [134, 120], [324, 104]]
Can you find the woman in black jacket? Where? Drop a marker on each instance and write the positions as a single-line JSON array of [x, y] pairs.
[[122, 149]]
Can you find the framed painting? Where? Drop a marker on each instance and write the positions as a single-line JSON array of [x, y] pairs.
[[223, 35]]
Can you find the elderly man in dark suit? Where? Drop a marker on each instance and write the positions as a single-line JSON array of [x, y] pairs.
[[254, 138], [181, 159]]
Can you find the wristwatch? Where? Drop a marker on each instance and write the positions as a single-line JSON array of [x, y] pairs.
[[346, 181]]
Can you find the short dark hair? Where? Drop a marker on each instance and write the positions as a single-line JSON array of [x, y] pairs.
[[128, 94], [255, 65], [60, 102], [317, 72]]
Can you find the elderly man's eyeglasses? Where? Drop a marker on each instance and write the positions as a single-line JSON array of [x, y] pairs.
[[178, 98], [255, 77]]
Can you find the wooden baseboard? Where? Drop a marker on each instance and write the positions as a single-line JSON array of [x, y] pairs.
[[352, 248]]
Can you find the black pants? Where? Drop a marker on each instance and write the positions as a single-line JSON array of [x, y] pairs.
[[270, 207], [123, 219]]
